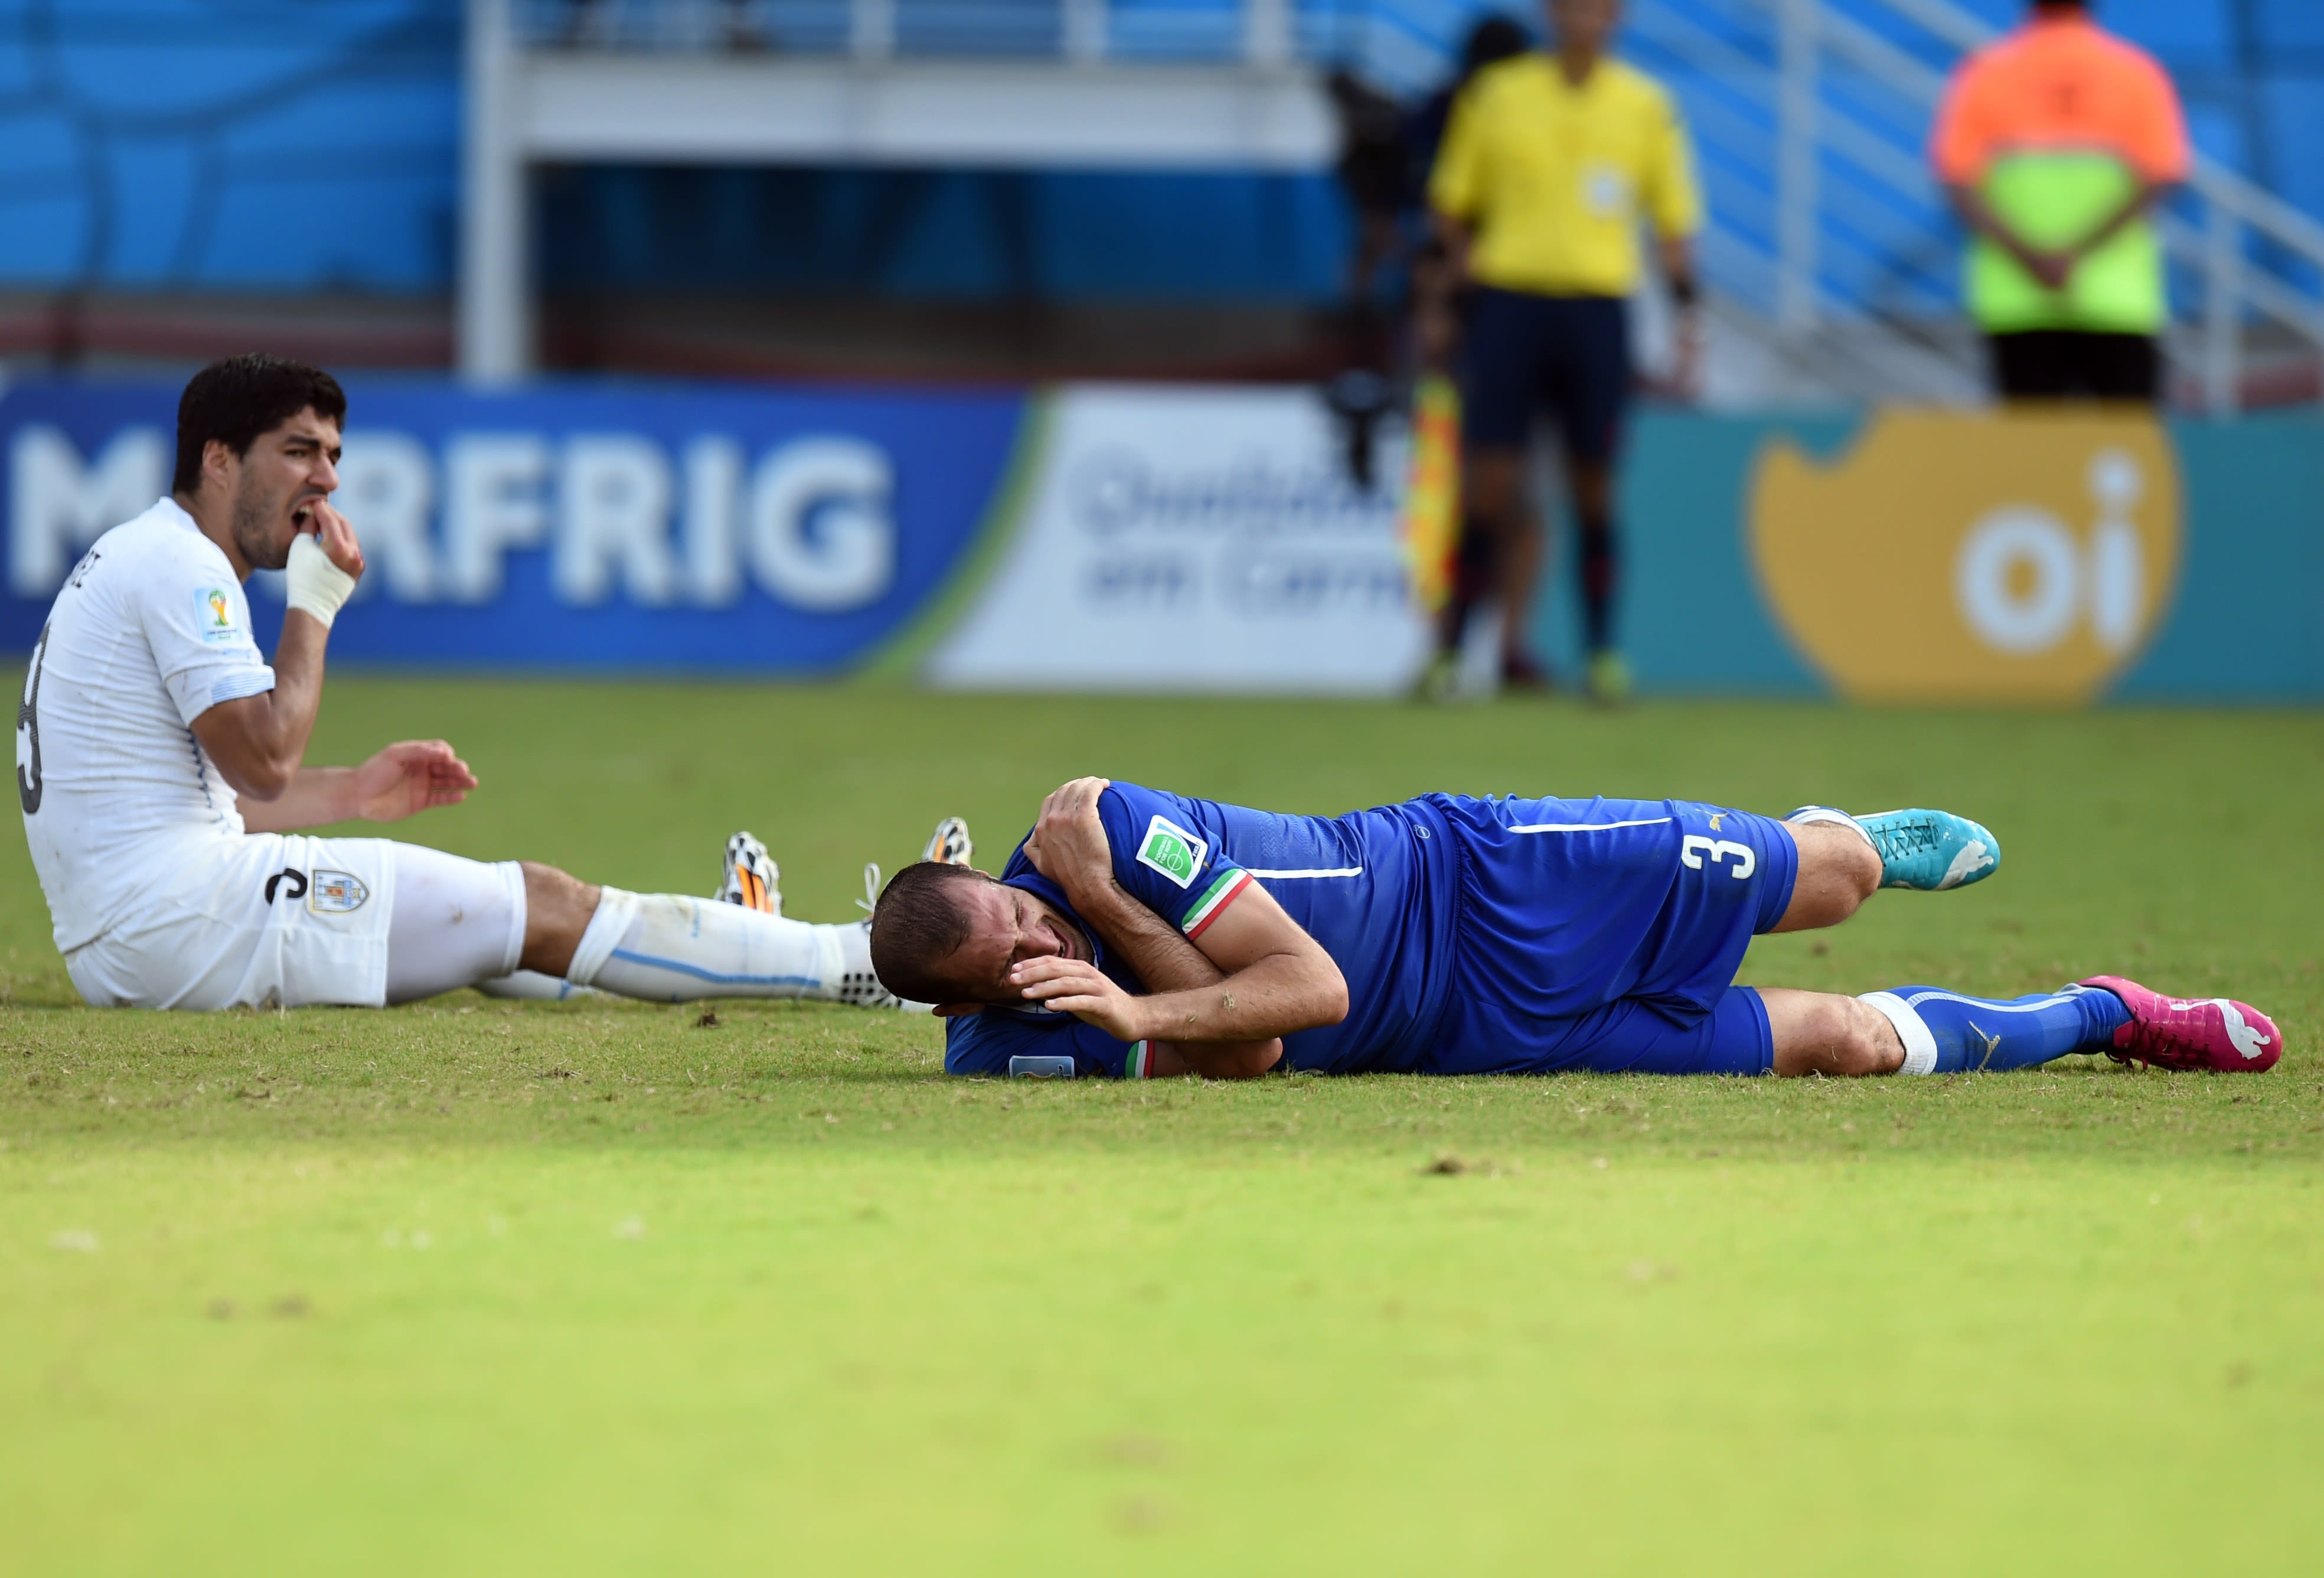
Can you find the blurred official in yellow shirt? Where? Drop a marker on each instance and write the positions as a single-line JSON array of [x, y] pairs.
[[1551, 165], [1554, 179]]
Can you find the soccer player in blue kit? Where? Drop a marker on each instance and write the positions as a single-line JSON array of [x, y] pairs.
[[1140, 933]]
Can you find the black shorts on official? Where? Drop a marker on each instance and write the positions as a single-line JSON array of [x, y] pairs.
[[1567, 355], [2066, 364]]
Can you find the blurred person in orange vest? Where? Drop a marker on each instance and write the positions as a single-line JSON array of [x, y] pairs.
[[2055, 143], [1550, 165]]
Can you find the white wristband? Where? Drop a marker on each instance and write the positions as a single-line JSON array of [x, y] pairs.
[[313, 582]]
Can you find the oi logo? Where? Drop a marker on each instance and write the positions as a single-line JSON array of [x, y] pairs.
[[1947, 557]]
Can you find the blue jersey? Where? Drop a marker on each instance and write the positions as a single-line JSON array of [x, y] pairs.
[[1376, 888], [1476, 935]]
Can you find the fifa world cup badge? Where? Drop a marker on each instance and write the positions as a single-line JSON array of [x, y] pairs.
[[214, 616]]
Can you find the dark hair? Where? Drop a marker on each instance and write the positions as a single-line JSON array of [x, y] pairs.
[[237, 400], [1495, 37], [917, 924]]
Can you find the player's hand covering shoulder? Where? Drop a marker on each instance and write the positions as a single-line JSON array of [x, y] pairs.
[[1068, 842], [1220, 1006], [1164, 856]]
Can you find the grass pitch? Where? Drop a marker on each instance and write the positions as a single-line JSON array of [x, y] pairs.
[[471, 1286]]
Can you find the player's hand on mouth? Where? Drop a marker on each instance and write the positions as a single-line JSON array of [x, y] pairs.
[[333, 533], [1068, 844], [1079, 988]]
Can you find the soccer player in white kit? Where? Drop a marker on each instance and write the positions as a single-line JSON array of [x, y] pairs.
[[159, 762]]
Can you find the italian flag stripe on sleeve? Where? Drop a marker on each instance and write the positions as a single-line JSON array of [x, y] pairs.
[[1139, 1063], [1215, 900]]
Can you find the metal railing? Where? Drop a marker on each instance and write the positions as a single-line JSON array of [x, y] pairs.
[[1813, 117], [1826, 224], [1401, 44], [2252, 257], [1263, 33]]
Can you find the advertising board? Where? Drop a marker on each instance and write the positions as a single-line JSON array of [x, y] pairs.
[[1956, 557], [788, 532], [1191, 538], [1121, 538]]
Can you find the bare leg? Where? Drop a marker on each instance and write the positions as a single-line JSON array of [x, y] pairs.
[[1839, 871], [556, 911], [1916, 1030], [1592, 481], [1494, 479], [1822, 1033]]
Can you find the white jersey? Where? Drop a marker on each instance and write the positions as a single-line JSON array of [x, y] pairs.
[[162, 899], [151, 630]]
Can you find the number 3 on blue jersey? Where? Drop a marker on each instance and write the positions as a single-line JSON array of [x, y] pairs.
[[1695, 849]]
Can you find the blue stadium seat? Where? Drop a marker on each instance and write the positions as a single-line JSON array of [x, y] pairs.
[[146, 162]]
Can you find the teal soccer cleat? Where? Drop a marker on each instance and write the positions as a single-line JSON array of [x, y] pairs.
[[1930, 849]]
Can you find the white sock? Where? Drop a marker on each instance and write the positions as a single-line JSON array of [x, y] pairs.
[[1920, 1041], [1838, 818], [669, 947], [616, 909], [532, 986]]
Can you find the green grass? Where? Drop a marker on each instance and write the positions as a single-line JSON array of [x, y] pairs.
[[475, 1288]]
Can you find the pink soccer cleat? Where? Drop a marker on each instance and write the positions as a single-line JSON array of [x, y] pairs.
[[2192, 1032]]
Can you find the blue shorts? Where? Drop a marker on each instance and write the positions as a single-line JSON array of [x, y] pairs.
[[1606, 934], [1523, 353]]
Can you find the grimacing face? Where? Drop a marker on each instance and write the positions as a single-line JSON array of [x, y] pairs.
[[1008, 926], [277, 484]]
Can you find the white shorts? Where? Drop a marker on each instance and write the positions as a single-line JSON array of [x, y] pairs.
[[279, 919]]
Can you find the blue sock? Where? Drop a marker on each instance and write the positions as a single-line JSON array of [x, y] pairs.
[[1945, 1032]]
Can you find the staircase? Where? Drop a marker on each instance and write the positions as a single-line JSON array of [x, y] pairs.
[[1830, 249], [1831, 255]]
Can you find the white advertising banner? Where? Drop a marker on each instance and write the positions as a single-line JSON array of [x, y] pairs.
[[1186, 538]]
